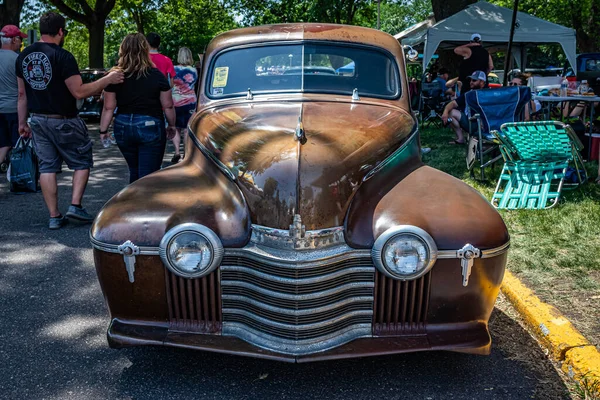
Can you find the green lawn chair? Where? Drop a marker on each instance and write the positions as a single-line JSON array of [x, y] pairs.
[[536, 156]]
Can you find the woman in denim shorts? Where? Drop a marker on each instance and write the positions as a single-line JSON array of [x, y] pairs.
[[144, 100]]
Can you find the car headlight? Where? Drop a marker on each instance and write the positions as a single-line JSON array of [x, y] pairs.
[[191, 250], [404, 252]]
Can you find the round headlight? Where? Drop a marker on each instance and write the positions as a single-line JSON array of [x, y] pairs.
[[404, 252], [191, 250]]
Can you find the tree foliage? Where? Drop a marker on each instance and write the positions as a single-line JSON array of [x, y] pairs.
[[257, 12], [581, 15], [93, 16]]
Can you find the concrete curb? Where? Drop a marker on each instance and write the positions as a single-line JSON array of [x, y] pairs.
[[580, 359]]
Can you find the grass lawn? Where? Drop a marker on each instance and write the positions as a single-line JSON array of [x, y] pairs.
[[556, 252]]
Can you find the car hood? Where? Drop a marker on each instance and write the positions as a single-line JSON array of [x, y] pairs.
[[315, 177]]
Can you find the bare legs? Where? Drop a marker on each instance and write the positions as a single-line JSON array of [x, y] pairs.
[[50, 189], [176, 141], [455, 125], [3, 153]]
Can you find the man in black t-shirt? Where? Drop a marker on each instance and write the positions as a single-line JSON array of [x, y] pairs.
[[49, 84], [475, 58]]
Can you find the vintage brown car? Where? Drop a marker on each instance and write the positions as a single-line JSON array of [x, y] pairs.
[[302, 224]]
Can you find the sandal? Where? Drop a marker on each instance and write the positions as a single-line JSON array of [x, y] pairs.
[[455, 142]]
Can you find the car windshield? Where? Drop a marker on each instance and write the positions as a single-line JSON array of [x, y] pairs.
[[308, 67]]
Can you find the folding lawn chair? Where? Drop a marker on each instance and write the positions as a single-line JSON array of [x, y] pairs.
[[432, 103], [536, 156], [491, 108]]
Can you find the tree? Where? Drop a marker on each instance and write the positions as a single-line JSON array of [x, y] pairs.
[[94, 19], [10, 12], [443, 9], [396, 16], [581, 15], [352, 12]]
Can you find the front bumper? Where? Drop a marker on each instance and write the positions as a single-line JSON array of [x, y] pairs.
[[473, 338], [300, 300]]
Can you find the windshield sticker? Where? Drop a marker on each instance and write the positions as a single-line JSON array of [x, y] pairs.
[[220, 77], [217, 91]]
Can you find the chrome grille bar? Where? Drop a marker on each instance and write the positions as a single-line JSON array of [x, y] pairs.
[[296, 302]]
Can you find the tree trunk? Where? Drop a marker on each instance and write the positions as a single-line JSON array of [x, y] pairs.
[[10, 12], [96, 44], [94, 20], [443, 9]]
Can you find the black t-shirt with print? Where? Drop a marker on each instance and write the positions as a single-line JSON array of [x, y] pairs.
[[141, 95], [44, 67]]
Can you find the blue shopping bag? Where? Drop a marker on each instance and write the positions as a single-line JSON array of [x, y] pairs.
[[24, 169]]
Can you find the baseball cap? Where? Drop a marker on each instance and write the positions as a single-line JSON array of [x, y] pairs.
[[475, 36], [12, 31], [478, 76]]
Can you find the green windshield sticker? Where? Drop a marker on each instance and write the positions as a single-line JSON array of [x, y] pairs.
[[220, 77]]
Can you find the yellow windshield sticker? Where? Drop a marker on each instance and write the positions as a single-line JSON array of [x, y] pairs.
[[220, 77]]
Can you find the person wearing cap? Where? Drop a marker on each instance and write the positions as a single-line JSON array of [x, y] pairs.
[[49, 85], [475, 58], [11, 38], [459, 112]]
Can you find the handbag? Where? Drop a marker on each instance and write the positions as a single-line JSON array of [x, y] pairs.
[[24, 168]]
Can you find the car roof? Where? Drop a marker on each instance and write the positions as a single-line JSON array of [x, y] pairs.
[[303, 31]]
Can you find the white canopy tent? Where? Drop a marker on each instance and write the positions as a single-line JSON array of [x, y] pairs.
[[492, 22]]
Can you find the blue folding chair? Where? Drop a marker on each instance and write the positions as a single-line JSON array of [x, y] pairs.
[[491, 108]]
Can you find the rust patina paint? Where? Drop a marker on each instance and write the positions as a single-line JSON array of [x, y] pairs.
[[326, 180]]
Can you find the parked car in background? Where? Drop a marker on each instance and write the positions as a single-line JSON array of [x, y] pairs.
[[92, 105], [588, 68], [302, 224]]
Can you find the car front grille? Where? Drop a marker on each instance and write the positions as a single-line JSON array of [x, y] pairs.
[[297, 306], [400, 306], [194, 304]]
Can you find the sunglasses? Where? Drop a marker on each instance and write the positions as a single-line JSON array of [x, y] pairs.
[[513, 84], [65, 32]]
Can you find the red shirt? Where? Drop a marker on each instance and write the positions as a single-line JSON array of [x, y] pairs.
[[163, 64]]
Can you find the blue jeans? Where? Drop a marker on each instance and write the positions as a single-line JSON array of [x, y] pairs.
[[142, 140]]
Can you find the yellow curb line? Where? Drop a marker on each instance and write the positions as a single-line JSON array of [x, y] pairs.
[[580, 359]]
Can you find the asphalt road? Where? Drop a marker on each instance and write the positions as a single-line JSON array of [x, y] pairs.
[[54, 322]]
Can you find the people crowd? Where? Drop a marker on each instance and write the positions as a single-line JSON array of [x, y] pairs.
[[147, 99]]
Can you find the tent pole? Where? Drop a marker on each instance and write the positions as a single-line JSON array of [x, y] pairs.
[[510, 42]]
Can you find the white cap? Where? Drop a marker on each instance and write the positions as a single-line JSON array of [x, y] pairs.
[[475, 36]]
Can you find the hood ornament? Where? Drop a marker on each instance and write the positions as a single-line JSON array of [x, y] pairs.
[[299, 135], [297, 230], [355, 96], [249, 95]]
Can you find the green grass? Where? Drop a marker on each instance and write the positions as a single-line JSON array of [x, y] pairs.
[[555, 251]]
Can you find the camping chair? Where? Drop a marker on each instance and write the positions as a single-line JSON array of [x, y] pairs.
[[491, 108], [433, 102], [536, 156]]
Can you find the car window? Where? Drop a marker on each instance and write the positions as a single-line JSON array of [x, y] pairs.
[[88, 77], [308, 67], [589, 62]]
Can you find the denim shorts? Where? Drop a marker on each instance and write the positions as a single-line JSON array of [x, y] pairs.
[[57, 140], [9, 129], [183, 114]]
